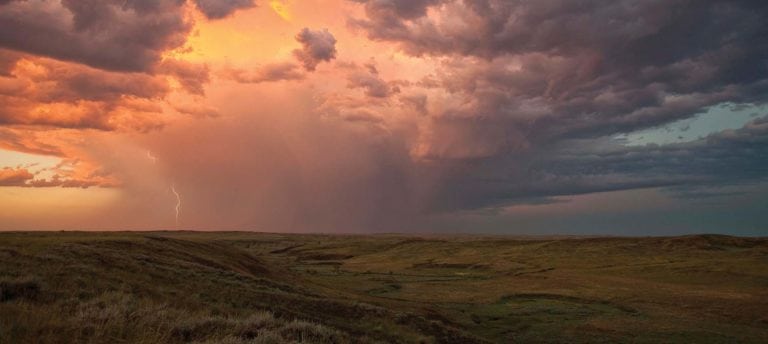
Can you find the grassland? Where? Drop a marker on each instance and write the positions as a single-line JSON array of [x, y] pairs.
[[237, 287]]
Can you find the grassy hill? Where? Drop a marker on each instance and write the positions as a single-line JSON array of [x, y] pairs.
[[237, 287]]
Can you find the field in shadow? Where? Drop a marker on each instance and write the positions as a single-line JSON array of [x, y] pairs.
[[238, 287]]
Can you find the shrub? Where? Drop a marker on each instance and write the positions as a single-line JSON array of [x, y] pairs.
[[25, 288], [303, 331]]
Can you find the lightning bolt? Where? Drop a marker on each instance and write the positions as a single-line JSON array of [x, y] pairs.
[[173, 189], [178, 203]]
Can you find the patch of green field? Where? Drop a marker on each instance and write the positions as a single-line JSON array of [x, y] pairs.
[[233, 287], [537, 317]]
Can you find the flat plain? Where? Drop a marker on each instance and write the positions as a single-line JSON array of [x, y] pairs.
[[243, 287]]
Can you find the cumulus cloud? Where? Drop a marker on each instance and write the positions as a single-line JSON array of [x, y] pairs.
[[114, 34], [51, 93], [316, 46]]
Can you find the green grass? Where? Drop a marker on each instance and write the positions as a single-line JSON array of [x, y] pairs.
[[239, 287]]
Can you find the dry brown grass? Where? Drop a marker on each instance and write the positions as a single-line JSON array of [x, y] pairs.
[[183, 287]]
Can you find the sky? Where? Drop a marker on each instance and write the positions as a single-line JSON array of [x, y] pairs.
[[626, 117]]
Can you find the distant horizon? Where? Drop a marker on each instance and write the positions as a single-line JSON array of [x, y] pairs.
[[405, 234]]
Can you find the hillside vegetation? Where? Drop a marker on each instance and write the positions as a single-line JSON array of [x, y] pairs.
[[239, 287]]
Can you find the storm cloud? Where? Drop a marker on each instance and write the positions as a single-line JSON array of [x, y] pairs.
[[533, 80], [217, 9], [316, 46], [403, 112], [114, 34]]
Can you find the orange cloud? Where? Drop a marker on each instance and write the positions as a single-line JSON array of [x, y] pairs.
[[51, 93], [14, 177]]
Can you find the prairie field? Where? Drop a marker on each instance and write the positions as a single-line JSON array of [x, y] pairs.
[[242, 287]]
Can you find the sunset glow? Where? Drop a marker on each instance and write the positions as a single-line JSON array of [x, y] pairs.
[[384, 116]]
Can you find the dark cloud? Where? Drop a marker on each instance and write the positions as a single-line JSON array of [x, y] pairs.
[[650, 29], [529, 94], [723, 158], [574, 167], [110, 34], [397, 9], [455, 136], [553, 70], [316, 46], [363, 176], [267, 73], [217, 9], [61, 82], [8, 60]]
